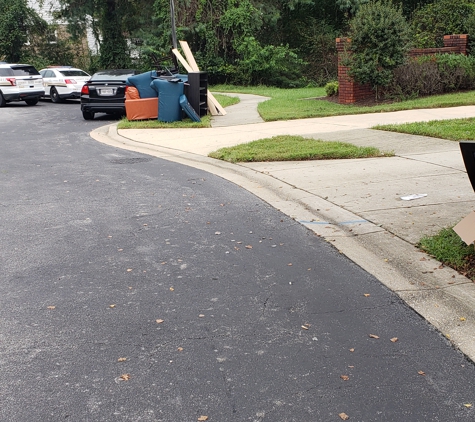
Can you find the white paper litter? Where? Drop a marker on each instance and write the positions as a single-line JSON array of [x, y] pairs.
[[413, 196]]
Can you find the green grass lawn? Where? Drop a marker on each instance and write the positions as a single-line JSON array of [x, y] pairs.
[[454, 130], [301, 103], [448, 248], [294, 148], [224, 100]]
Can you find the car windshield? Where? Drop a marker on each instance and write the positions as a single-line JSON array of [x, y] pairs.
[[113, 75], [73, 73], [24, 71]]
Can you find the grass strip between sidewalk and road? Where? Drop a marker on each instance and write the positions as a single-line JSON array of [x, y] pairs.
[[294, 148], [453, 130], [450, 250], [224, 100]]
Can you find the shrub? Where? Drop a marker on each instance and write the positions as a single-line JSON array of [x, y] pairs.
[[331, 88], [379, 41], [431, 22], [430, 75]]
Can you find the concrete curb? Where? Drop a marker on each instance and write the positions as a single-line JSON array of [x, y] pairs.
[[443, 297]]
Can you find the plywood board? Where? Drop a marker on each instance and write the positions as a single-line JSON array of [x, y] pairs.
[[466, 228]]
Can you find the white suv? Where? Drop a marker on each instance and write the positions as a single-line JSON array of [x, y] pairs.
[[20, 82], [63, 82]]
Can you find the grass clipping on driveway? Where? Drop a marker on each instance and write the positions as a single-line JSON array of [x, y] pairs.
[[447, 247], [294, 148]]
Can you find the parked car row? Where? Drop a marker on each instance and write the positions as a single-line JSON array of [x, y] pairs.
[[103, 92]]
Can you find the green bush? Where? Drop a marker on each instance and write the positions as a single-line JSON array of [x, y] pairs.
[[379, 41], [331, 88], [430, 75], [443, 17]]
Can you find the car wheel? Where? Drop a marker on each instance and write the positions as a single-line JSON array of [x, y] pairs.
[[88, 115], [2, 101], [55, 98], [32, 101]]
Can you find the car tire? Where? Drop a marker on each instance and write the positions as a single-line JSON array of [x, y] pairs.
[[32, 101], [88, 115], [3, 103], [53, 93]]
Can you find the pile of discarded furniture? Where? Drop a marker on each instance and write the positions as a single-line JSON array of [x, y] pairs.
[[167, 95]]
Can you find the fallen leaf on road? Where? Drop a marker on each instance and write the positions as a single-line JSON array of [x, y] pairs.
[[352, 350], [373, 336], [201, 316], [289, 264], [394, 339], [344, 377], [51, 307], [125, 377], [367, 295], [121, 359], [344, 416], [111, 306], [462, 319], [172, 289], [159, 321], [248, 247], [203, 418], [421, 372], [468, 405], [304, 327], [129, 270], [180, 349]]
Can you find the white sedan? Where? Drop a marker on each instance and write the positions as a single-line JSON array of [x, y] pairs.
[[63, 82]]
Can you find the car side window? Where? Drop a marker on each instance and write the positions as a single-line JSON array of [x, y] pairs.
[[6, 71]]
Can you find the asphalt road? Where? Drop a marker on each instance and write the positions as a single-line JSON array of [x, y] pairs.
[[135, 289]]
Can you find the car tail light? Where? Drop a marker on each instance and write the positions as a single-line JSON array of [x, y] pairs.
[[70, 81], [85, 90], [12, 81]]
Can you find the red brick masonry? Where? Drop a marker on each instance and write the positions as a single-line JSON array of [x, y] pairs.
[[350, 91]]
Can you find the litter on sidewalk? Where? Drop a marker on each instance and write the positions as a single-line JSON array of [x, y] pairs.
[[413, 196]]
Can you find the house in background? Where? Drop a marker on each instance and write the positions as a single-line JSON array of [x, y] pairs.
[[46, 8]]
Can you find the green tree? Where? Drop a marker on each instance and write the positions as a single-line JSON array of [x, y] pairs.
[[17, 23], [380, 37]]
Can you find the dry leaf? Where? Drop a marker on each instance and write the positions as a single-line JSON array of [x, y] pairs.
[[129, 270], [304, 327], [344, 416], [421, 372], [367, 295], [121, 359], [344, 377], [394, 339], [201, 316], [203, 418], [468, 405], [172, 289], [373, 336], [248, 247], [111, 306], [125, 377], [180, 349], [289, 264], [462, 318], [51, 307], [159, 321], [352, 350]]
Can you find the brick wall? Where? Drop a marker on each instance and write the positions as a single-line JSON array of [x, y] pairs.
[[350, 92]]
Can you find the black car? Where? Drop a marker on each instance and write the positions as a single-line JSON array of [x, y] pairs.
[[105, 92]]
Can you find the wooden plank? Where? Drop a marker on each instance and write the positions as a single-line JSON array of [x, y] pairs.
[[189, 56], [216, 104], [213, 104], [182, 60]]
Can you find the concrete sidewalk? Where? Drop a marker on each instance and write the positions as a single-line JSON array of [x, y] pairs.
[[354, 204]]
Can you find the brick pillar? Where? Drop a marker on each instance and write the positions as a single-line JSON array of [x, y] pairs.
[[460, 41], [349, 91]]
